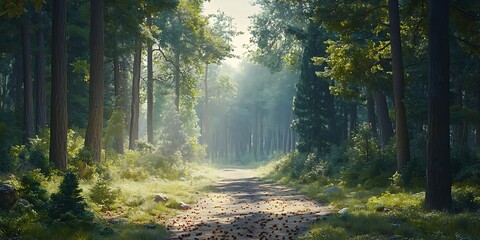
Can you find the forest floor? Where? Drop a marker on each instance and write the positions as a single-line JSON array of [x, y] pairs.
[[243, 207]]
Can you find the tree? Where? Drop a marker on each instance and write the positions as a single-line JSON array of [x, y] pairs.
[[135, 107], [40, 92], [58, 125], [93, 138], [401, 128], [28, 114], [149, 88], [438, 193]]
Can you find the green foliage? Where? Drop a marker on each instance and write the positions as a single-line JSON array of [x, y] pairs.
[[135, 174], [68, 204], [103, 194], [368, 164], [32, 190]]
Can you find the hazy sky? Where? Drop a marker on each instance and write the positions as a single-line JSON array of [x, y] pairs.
[[240, 10]]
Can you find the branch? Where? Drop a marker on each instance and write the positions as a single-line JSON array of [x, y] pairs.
[[475, 17]]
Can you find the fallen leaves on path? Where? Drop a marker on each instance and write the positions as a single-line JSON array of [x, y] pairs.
[[245, 208]]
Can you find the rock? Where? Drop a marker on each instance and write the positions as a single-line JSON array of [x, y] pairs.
[[343, 211], [160, 198], [24, 202], [184, 206], [8, 196], [117, 220], [332, 190]]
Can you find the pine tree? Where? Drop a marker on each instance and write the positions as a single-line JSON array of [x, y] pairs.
[[68, 199]]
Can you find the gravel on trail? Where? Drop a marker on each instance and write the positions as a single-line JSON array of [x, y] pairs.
[[242, 207]]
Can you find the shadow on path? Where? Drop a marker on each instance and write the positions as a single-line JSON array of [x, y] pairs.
[[243, 207]]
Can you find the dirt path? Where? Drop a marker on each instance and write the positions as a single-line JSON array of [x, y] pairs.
[[245, 208]]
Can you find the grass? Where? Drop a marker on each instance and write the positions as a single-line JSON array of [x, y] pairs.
[[381, 213], [134, 215]]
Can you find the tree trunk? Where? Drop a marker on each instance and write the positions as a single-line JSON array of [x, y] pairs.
[[177, 79], [371, 118], [117, 78], [93, 138], [28, 126], [149, 88], [386, 130], [477, 125], [461, 133], [58, 114], [134, 115], [40, 95], [18, 74], [438, 192], [401, 128], [353, 116], [205, 111]]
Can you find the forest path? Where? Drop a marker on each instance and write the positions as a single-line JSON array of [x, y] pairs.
[[243, 207]]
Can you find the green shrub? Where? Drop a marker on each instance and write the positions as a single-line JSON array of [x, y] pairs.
[[68, 203], [103, 194], [135, 174], [32, 191]]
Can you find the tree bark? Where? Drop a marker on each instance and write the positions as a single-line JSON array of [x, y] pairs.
[[371, 118], [438, 192], [149, 88], [28, 125], [119, 148], [401, 128], [58, 113], [18, 73], [177, 79], [93, 138], [135, 110], [386, 130], [40, 95], [205, 111]]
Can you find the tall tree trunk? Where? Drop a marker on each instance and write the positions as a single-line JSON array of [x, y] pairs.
[[40, 95], [386, 130], [149, 88], [18, 73], [205, 110], [58, 114], [117, 78], [353, 116], [177, 79], [93, 138], [371, 118], [461, 133], [438, 192], [135, 110], [401, 128], [477, 125], [28, 126]]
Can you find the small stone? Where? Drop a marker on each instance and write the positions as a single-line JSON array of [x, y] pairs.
[[184, 206], [343, 211], [160, 198]]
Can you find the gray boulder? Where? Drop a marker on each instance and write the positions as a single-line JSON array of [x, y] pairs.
[[8, 196], [332, 190], [160, 198]]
